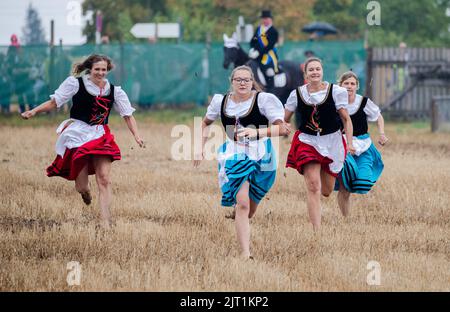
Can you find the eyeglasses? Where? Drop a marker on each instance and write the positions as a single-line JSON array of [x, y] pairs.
[[239, 80]]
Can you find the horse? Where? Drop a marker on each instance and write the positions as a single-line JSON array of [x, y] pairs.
[[289, 77]]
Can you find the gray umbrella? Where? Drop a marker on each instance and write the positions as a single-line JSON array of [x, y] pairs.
[[320, 28]]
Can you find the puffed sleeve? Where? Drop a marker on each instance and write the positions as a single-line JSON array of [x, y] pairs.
[[122, 104], [372, 111], [65, 91], [271, 107], [291, 102], [213, 111], [340, 97]]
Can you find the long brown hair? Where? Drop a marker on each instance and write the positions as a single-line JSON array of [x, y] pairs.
[[87, 64], [255, 86]]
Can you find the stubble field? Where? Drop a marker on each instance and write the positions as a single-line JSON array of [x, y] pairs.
[[171, 234]]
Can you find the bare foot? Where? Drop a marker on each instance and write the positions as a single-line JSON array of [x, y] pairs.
[[232, 215], [87, 197], [105, 224]]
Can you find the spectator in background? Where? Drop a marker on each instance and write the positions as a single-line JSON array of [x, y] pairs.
[[19, 72], [5, 86], [263, 48]]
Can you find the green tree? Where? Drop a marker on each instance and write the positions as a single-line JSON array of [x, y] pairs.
[[418, 23], [216, 17], [341, 14], [119, 16], [33, 32]]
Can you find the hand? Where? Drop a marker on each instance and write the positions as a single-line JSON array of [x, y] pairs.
[[139, 141], [249, 133], [285, 129], [351, 149], [198, 157], [382, 139], [28, 114], [253, 53]]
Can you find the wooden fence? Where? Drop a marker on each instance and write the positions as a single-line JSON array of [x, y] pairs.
[[403, 81]]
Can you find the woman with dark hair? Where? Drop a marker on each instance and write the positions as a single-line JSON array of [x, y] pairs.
[[247, 164], [85, 145], [318, 148]]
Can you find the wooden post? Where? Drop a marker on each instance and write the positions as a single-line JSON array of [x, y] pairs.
[[434, 115], [51, 69], [369, 73], [52, 33]]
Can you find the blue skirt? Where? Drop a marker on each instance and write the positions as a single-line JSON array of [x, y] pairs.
[[361, 172], [237, 168]]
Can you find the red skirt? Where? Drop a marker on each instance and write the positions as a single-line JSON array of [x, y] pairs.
[[76, 159], [300, 154]]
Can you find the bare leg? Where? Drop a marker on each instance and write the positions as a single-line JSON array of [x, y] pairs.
[[82, 185], [313, 187], [327, 183], [102, 167], [242, 222], [253, 207], [343, 200]]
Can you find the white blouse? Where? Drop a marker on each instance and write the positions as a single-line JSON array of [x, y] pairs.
[[329, 145], [70, 87], [372, 110], [269, 106], [75, 133], [373, 113], [340, 97]]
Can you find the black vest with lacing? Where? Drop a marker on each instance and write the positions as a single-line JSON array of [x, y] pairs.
[[359, 119], [317, 119], [93, 110], [253, 118]]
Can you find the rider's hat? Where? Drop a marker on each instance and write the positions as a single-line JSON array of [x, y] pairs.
[[266, 13]]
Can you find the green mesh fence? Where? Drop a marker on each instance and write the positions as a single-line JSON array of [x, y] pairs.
[[162, 73]]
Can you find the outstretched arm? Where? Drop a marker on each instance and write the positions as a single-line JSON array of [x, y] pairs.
[[44, 107], [198, 157], [380, 123], [132, 125]]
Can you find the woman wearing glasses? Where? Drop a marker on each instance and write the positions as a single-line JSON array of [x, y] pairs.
[[318, 148], [247, 164]]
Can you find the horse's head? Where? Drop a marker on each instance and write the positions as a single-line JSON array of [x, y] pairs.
[[230, 50]]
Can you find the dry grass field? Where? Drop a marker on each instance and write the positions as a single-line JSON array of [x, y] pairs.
[[171, 234]]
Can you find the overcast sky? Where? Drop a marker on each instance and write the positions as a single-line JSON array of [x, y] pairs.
[[65, 13]]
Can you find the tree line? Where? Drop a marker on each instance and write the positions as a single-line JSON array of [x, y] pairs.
[[424, 23]]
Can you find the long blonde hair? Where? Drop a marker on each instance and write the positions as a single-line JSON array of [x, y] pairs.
[[255, 86]]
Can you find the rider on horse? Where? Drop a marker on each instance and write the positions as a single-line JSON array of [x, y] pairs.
[[263, 48]]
